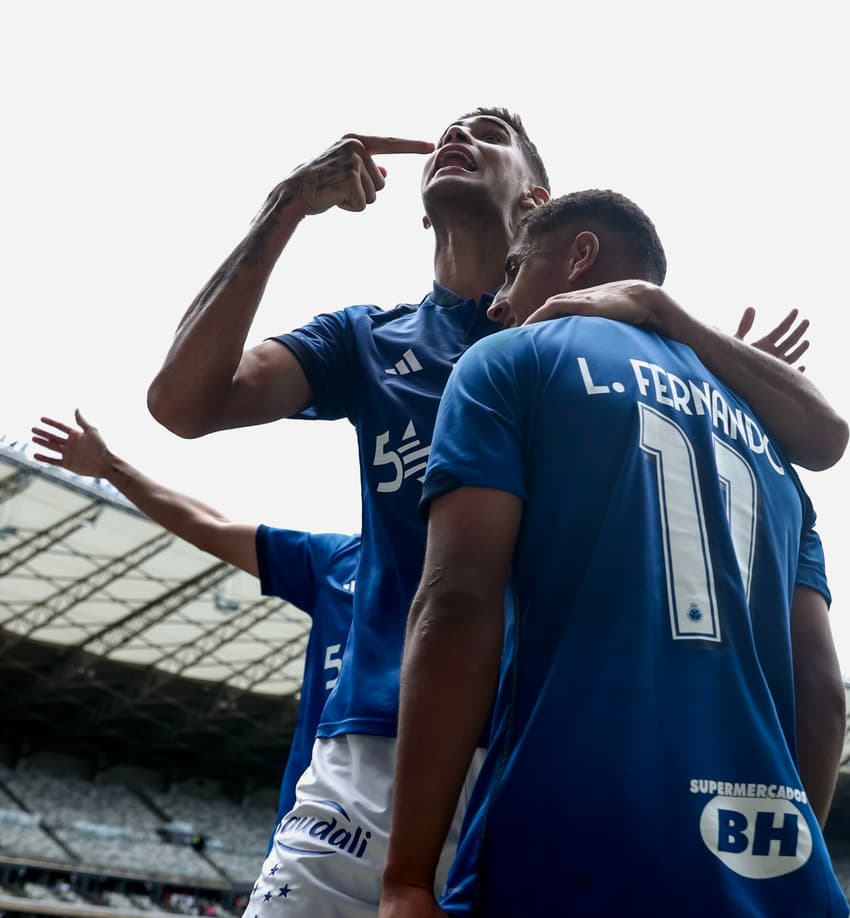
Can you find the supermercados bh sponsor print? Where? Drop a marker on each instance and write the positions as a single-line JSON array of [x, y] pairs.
[[756, 830]]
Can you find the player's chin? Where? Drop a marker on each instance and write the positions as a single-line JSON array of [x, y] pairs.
[[451, 183]]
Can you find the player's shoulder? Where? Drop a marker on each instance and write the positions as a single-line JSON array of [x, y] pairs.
[[356, 315], [502, 347], [380, 315], [554, 338]]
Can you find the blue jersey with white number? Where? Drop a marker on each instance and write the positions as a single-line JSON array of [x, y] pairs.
[[316, 572], [384, 370], [643, 759]]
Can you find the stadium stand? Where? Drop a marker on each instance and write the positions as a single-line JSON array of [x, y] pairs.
[[147, 699]]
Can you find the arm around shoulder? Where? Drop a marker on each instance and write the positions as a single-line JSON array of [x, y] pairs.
[[809, 430]]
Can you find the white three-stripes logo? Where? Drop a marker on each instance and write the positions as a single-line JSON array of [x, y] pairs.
[[409, 459], [407, 364]]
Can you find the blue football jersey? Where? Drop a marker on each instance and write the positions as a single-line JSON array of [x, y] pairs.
[[316, 572], [384, 370], [643, 758]]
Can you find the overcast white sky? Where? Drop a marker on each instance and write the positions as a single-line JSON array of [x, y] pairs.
[[141, 138]]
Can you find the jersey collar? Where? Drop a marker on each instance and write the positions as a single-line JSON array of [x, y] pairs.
[[442, 296]]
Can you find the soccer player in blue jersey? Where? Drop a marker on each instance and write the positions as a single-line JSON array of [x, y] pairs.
[[655, 538], [385, 371], [315, 572]]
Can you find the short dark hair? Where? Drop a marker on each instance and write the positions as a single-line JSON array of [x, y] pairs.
[[610, 211], [538, 169]]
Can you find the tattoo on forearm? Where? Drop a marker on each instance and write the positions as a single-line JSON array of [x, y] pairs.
[[251, 251], [222, 276], [280, 196]]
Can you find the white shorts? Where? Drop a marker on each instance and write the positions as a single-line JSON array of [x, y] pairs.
[[328, 854]]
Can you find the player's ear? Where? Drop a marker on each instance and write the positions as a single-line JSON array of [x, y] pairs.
[[583, 254], [533, 197], [426, 222]]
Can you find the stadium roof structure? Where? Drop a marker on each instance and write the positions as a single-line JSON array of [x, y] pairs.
[[120, 640]]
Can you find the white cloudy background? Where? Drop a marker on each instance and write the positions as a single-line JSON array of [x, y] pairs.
[[139, 139]]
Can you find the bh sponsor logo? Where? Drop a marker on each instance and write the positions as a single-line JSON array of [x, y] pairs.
[[329, 832], [757, 830]]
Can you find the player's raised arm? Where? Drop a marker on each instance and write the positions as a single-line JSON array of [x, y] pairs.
[[207, 381], [805, 425], [83, 450]]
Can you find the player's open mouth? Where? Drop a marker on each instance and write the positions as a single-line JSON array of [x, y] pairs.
[[455, 155]]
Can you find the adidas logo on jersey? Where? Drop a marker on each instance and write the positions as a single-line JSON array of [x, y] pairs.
[[407, 364]]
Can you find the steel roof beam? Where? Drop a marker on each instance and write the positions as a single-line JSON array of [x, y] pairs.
[[44, 612], [121, 632], [45, 539]]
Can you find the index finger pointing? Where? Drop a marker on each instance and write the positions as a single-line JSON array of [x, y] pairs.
[[395, 145]]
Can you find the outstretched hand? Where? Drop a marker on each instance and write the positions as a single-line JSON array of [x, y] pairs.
[[345, 175], [82, 451], [786, 349]]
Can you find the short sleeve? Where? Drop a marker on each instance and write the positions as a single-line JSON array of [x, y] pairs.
[[480, 428], [811, 564], [324, 350], [295, 565], [811, 567]]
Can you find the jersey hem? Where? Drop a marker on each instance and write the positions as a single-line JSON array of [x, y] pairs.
[[367, 725]]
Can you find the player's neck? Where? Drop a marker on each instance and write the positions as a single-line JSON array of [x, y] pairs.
[[470, 260]]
